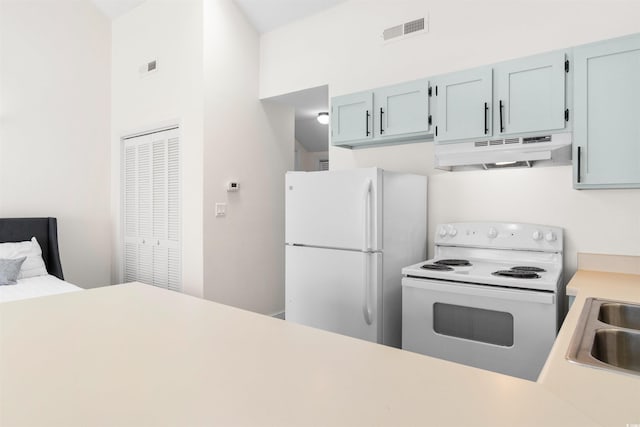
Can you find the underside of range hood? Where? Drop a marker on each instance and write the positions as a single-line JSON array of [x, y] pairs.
[[554, 149]]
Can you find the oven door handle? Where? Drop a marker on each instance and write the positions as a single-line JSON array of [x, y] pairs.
[[523, 295]]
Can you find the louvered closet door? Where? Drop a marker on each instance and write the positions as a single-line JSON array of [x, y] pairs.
[[152, 210]]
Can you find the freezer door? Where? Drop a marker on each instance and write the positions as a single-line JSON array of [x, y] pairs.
[[335, 209], [334, 290]]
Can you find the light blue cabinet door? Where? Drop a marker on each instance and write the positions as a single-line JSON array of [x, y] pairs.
[[402, 109], [464, 105], [530, 94], [607, 114], [352, 118]]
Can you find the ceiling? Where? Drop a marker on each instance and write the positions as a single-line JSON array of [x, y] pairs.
[[115, 8], [265, 15], [307, 103]]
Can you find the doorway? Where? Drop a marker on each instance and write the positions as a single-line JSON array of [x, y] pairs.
[[311, 152]]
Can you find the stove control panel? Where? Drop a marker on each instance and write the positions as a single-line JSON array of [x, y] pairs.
[[500, 235]]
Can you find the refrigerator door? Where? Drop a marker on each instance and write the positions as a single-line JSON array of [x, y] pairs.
[[335, 290], [334, 209]]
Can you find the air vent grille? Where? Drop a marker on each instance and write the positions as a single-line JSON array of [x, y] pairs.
[[512, 141], [413, 26], [536, 139], [496, 142], [393, 32], [481, 144]]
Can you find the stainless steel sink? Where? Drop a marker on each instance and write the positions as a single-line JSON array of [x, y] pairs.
[[618, 348], [623, 315], [607, 336]]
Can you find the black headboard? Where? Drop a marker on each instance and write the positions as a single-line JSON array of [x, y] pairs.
[[43, 229]]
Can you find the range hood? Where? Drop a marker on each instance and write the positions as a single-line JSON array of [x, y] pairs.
[[495, 153]]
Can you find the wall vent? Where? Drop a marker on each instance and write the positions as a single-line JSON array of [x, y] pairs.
[[496, 142], [393, 32], [512, 141], [414, 26], [480, 144], [411, 27], [148, 68]]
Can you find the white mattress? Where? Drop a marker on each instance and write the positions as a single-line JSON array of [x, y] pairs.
[[35, 287]]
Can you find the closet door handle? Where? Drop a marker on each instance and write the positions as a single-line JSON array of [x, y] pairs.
[[367, 123], [501, 124], [486, 118], [381, 127], [579, 163]]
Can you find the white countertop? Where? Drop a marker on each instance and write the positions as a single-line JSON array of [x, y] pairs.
[[135, 355]]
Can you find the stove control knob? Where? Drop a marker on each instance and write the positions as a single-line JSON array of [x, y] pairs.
[[493, 233], [443, 232], [537, 235], [453, 232], [550, 236]]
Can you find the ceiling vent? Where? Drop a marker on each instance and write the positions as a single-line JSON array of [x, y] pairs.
[[401, 30]]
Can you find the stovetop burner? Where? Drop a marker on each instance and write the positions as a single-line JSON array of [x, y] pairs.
[[436, 267], [529, 269], [518, 274], [454, 262]]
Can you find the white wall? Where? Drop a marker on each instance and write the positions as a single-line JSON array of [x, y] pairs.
[[54, 126], [248, 141], [171, 32], [342, 47]]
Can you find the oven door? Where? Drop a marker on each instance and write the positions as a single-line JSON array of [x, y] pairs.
[[500, 329]]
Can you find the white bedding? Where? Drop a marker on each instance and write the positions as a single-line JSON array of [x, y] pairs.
[[35, 287]]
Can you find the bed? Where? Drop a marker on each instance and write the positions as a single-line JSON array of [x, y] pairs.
[[45, 230]]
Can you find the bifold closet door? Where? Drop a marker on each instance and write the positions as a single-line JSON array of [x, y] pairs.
[[151, 209]]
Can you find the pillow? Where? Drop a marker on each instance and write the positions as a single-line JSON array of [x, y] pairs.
[[9, 269], [34, 264]]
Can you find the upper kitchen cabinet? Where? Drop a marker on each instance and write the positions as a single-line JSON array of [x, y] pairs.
[[607, 114], [530, 94], [403, 110], [392, 114], [463, 105], [351, 118]]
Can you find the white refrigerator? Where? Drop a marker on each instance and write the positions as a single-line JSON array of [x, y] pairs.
[[348, 234]]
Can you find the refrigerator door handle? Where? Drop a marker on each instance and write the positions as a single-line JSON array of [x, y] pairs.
[[366, 307], [366, 217]]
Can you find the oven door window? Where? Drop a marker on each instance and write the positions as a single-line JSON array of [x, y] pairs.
[[476, 324]]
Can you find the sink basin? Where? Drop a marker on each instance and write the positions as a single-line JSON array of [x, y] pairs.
[[617, 348], [607, 336], [623, 315]]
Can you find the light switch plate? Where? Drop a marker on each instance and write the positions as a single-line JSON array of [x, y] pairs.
[[221, 210]]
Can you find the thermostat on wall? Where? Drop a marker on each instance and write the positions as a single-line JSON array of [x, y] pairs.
[[233, 186]]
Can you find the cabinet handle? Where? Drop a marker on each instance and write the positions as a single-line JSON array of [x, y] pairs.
[[579, 162], [367, 125], [486, 118], [501, 124], [381, 127]]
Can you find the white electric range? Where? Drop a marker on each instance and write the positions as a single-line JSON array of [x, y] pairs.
[[492, 297]]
